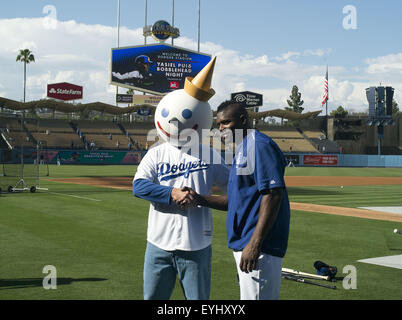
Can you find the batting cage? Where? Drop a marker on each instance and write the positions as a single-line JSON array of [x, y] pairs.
[[23, 159]]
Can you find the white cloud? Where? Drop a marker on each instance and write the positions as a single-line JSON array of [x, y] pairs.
[[287, 56], [79, 53], [317, 52], [390, 64]]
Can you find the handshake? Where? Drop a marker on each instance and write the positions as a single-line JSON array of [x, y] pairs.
[[186, 197]]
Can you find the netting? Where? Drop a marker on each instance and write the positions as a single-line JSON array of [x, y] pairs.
[[23, 160]]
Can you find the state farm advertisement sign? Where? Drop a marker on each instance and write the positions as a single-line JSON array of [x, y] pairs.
[[64, 91], [320, 160]]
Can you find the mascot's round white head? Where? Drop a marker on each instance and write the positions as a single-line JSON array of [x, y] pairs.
[[185, 111]]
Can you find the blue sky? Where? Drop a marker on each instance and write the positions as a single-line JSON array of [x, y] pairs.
[[271, 44]]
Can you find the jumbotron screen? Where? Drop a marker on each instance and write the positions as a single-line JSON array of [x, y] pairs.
[[158, 68]]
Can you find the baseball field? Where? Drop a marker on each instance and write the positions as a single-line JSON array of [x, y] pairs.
[[90, 227]]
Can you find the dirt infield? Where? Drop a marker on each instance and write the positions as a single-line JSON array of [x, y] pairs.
[[349, 212], [125, 183]]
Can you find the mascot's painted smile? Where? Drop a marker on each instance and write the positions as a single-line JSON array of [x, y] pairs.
[[167, 133]]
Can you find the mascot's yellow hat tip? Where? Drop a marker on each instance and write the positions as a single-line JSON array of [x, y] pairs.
[[199, 87]]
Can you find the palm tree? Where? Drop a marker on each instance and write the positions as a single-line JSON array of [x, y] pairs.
[[26, 57]]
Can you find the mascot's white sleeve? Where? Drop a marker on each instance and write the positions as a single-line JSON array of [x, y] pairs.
[[144, 183]]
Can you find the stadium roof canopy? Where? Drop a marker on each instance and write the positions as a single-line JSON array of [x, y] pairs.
[[109, 109], [279, 113], [71, 108]]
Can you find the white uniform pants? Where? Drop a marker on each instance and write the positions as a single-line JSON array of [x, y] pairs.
[[263, 283]]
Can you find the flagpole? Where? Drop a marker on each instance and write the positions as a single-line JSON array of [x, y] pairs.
[[118, 40], [326, 117], [146, 19], [326, 107], [199, 23], [172, 19]]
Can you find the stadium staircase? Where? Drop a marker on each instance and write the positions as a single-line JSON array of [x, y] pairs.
[[73, 126], [82, 137], [125, 132], [322, 145]]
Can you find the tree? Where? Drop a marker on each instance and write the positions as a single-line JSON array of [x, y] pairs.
[[26, 57], [295, 102], [85, 114], [339, 113]]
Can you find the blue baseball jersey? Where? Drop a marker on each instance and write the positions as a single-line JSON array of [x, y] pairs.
[[258, 165]]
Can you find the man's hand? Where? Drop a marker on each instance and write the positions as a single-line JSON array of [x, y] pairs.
[[184, 197], [268, 213], [192, 200], [188, 198], [249, 257]]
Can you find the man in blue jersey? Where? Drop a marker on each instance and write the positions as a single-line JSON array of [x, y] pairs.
[[257, 204]]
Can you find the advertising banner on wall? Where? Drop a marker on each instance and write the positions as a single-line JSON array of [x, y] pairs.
[[124, 98], [320, 160], [155, 68], [247, 98], [147, 99], [99, 157], [64, 91]]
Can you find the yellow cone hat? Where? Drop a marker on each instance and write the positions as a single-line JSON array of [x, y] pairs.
[[199, 87]]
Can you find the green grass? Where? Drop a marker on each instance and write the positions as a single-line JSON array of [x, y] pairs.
[[347, 172], [98, 246], [349, 196]]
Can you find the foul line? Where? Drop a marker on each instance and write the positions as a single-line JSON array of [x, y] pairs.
[[70, 195]]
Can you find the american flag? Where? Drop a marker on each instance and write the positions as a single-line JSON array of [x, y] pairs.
[[325, 95]]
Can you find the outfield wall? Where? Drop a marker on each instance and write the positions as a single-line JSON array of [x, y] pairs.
[[348, 160], [99, 157], [85, 157]]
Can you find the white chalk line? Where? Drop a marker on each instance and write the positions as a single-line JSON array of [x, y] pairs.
[[70, 195], [389, 209]]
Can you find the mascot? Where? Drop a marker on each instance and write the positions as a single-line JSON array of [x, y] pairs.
[[186, 109], [179, 234]]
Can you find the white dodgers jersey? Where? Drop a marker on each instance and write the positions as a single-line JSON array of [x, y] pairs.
[[169, 226]]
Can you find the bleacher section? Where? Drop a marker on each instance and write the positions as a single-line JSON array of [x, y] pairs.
[[53, 133], [138, 133], [100, 134], [109, 135], [59, 140], [295, 145], [319, 141], [97, 126], [48, 126], [289, 139], [15, 135], [283, 133], [314, 134]]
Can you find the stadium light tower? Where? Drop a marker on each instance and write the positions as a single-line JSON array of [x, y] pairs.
[[172, 20], [199, 24], [380, 110], [118, 39]]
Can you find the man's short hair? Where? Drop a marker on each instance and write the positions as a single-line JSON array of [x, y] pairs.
[[235, 106]]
